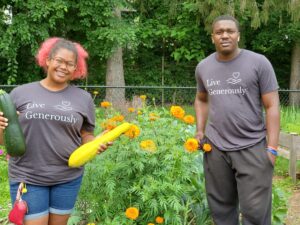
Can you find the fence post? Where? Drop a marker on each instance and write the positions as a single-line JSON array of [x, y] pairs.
[[293, 158]]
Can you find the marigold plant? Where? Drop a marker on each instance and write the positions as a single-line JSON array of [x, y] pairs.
[[153, 116], [131, 109], [166, 182], [132, 213], [109, 124], [133, 132], [159, 219], [105, 104], [191, 145], [206, 147], [177, 112], [148, 145], [118, 118], [189, 119], [143, 97]]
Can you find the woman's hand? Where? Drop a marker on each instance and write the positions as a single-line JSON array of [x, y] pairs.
[[103, 147], [3, 121]]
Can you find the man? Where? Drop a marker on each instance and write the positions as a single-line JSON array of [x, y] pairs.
[[233, 87]]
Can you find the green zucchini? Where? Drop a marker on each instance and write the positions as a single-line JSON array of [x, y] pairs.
[[13, 136]]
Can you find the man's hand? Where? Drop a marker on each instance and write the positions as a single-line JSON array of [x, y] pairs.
[[272, 158], [199, 135]]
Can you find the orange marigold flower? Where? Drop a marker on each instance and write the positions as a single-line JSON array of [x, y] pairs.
[[133, 132], [150, 224], [131, 109], [132, 213], [148, 145], [177, 112], [191, 145], [109, 124], [118, 118], [159, 220], [189, 119], [143, 97], [207, 147], [105, 104], [153, 116]]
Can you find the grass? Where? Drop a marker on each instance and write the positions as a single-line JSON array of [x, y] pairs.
[[5, 198], [290, 119], [282, 167]]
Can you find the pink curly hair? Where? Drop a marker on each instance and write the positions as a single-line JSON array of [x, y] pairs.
[[50, 46]]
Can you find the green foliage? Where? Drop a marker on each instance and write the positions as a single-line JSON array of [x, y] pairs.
[[5, 199], [290, 117], [167, 182], [282, 190], [162, 40], [279, 206], [282, 167], [91, 23]]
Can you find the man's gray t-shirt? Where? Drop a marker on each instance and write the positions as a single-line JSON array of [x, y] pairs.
[[234, 90], [51, 121]]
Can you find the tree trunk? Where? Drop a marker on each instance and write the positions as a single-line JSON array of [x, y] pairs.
[[295, 75], [115, 78], [115, 75]]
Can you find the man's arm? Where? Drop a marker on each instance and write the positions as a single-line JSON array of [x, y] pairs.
[[201, 109], [271, 104]]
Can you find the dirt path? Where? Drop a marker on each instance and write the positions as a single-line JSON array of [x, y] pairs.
[[293, 215]]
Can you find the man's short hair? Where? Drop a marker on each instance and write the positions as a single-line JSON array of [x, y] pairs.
[[226, 17]]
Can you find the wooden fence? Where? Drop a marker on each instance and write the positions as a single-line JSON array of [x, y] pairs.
[[289, 147]]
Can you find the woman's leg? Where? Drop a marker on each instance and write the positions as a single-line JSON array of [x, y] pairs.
[[37, 200], [38, 221], [55, 219], [62, 201]]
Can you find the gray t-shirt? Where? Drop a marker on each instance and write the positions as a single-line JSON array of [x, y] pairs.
[[234, 90], [51, 122]]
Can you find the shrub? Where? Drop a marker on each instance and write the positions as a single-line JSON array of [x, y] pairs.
[[164, 182]]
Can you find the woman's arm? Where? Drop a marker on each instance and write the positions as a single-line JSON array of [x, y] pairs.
[[3, 124]]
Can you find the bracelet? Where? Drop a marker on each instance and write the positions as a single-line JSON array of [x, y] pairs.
[[269, 146], [272, 151]]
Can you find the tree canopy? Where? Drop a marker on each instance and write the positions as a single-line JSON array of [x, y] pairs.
[[161, 40]]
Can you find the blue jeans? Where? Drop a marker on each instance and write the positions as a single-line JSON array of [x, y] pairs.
[[42, 200]]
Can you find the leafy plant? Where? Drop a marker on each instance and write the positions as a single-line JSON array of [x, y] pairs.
[[5, 199], [290, 117], [167, 181]]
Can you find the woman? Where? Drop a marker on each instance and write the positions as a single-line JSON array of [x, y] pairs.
[[56, 118]]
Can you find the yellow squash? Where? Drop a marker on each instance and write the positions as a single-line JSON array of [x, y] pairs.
[[89, 150]]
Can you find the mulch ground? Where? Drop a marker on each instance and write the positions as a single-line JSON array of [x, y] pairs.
[[293, 215]]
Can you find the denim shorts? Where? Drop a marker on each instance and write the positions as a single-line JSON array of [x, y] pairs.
[[42, 200]]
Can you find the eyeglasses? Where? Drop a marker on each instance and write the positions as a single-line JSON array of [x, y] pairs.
[[69, 65]]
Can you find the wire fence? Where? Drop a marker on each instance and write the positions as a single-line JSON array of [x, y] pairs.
[[160, 95]]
